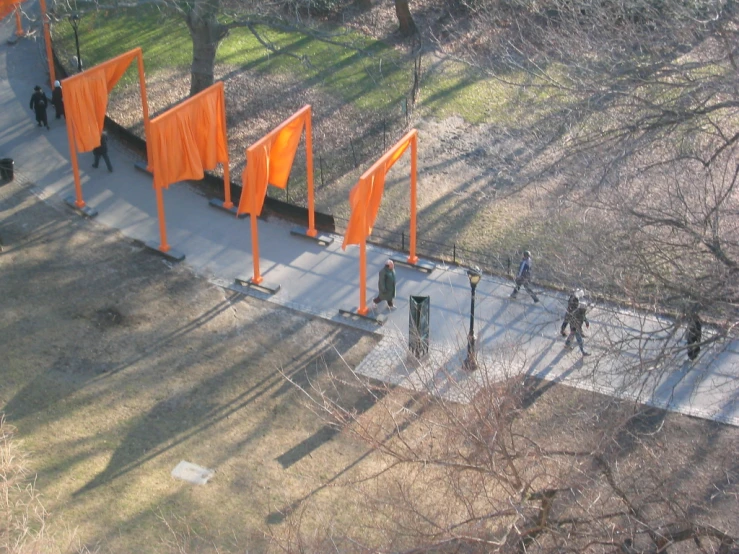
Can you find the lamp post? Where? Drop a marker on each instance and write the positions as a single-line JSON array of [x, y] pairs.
[[74, 19], [470, 363]]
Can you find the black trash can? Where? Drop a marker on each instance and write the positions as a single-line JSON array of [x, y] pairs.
[[418, 325], [6, 169]]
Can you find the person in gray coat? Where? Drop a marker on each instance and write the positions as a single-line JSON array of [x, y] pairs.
[[386, 284], [578, 317]]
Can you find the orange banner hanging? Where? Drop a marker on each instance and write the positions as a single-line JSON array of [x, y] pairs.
[[269, 161], [366, 195], [187, 140], [86, 102], [86, 98], [8, 6], [365, 199]]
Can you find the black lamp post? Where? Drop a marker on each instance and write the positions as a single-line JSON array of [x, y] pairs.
[[74, 19], [470, 363]]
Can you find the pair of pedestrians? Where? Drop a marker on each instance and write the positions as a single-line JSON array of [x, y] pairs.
[[40, 103], [576, 314]]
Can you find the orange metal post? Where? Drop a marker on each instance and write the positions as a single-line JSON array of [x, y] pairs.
[[363, 309], [144, 101], [311, 232], [255, 248], [79, 202], [47, 40], [18, 25], [227, 203], [164, 247], [412, 258]]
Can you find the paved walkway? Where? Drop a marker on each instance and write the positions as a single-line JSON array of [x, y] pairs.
[[514, 336]]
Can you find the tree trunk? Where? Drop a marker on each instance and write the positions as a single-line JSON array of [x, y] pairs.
[[206, 35], [405, 19]]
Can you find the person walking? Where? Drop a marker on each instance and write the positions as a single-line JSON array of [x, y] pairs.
[[102, 151], [694, 335], [524, 276], [578, 317], [57, 100], [572, 304], [386, 284], [39, 103]]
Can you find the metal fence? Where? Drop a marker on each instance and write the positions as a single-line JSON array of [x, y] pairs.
[[449, 252]]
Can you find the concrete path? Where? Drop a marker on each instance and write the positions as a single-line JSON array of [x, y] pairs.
[[514, 336]]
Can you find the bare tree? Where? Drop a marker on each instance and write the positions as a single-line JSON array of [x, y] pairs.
[[207, 33], [510, 467], [635, 144], [405, 19]]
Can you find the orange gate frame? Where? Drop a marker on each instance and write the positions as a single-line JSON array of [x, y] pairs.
[[47, 40], [365, 227], [159, 184], [79, 202], [18, 25], [6, 6], [251, 204]]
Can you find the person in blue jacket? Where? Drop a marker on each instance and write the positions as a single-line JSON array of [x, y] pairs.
[[524, 276]]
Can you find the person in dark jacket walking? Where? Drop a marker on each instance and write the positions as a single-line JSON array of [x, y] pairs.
[[102, 151], [524, 276], [39, 103], [578, 317], [572, 304], [694, 335], [386, 284], [57, 100]]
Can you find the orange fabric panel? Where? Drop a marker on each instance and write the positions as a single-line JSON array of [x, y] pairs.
[[85, 104], [366, 196], [189, 138], [269, 162], [7, 7], [282, 153], [254, 180], [86, 99]]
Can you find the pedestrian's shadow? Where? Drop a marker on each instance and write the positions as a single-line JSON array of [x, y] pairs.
[[536, 385]]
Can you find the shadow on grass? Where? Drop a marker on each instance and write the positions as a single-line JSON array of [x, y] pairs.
[[278, 516], [183, 416]]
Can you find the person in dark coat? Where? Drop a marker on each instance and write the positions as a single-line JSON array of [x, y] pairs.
[[39, 103], [386, 284], [572, 304], [693, 336], [578, 317], [57, 100], [102, 151], [524, 276]]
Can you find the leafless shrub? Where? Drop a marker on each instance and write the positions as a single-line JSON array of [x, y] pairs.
[[487, 474], [23, 520]]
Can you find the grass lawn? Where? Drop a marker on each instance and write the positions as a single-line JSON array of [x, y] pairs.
[[366, 73]]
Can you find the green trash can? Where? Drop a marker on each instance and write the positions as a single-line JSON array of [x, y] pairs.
[[419, 323], [6, 169]]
